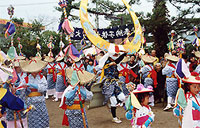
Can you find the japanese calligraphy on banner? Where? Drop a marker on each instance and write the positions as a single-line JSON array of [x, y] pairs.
[[111, 33]]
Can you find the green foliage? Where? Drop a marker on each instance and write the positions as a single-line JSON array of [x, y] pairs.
[[28, 37]]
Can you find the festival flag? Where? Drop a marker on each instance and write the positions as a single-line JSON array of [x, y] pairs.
[[10, 29], [72, 52], [182, 70], [67, 27]]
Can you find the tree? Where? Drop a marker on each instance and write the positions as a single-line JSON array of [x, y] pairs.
[[28, 37], [160, 27]]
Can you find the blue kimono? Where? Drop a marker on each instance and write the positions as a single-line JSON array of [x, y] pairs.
[[8, 100]]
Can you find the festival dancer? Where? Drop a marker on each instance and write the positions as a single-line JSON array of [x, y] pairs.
[[171, 80], [190, 107], [111, 89], [143, 116], [124, 74], [36, 86], [74, 97], [10, 114], [8, 100], [61, 82], [149, 75], [51, 76]]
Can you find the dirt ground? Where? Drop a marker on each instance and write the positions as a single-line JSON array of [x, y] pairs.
[[101, 117]]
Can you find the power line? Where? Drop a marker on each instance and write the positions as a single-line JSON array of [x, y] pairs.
[[28, 4]]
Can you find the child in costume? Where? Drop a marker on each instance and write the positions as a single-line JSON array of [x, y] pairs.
[[171, 80], [74, 97], [51, 76], [188, 107], [36, 87], [140, 113]]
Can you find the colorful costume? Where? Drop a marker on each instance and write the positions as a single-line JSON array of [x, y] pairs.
[[37, 118], [61, 79], [171, 83], [51, 78], [124, 74], [147, 75], [73, 114], [10, 113], [141, 116], [8, 100]]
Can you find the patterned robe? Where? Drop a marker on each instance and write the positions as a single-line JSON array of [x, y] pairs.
[[8, 100], [148, 81], [110, 86], [38, 117], [122, 78], [141, 116], [60, 84], [171, 81], [10, 113], [51, 75], [74, 115]]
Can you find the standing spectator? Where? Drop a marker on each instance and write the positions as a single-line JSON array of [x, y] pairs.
[[193, 63], [159, 90], [90, 66], [135, 68], [153, 53]]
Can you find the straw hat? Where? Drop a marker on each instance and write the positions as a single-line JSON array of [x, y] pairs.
[[49, 59], [172, 58], [193, 79], [59, 58], [126, 59], [21, 58], [16, 63], [84, 76], [77, 59], [36, 58], [148, 59], [197, 54], [33, 65], [141, 89]]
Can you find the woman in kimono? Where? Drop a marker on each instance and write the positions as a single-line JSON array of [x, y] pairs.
[[171, 80], [36, 87]]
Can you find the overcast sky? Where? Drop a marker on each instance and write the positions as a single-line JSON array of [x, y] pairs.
[[45, 9]]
